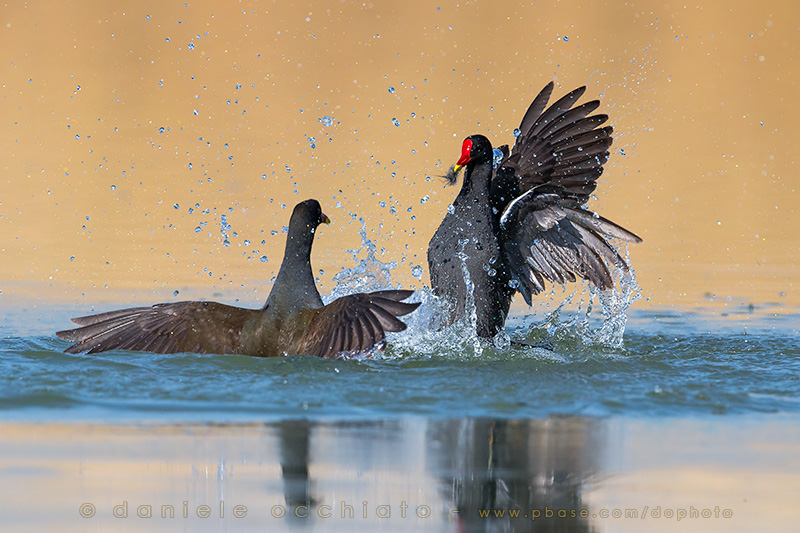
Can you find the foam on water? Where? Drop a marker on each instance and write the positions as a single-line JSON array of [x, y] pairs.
[[426, 336]]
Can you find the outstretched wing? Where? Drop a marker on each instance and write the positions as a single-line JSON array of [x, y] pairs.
[[199, 327], [355, 324], [562, 146], [545, 240]]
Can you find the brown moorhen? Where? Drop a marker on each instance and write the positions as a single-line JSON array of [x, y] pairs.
[[512, 228], [293, 321]]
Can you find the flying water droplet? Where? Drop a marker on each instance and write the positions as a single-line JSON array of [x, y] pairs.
[[516, 132], [391, 90], [395, 122], [326, 121], [424, 199], [263, 258], [497, 157]]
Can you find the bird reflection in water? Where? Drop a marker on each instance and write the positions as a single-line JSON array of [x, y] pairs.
[[294, 453], [517, 475], [490, 474]]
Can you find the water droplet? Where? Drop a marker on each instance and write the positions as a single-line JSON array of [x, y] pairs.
[[176, 206], [113, 187], [195, 112], [72, 258], [451, 209], [198, 229], [175, 293], [191, 46], [263, 258], [497, 156], [391, 90], [424, 199], [161, 129], [516, 132], [285, 229], [246, 242], [395, 121], [566, 38], [416, 271], [326, 121]]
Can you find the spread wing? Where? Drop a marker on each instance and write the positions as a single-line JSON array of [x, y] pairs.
[[355, 324], [562, 146], [199, 327], [542, 239]]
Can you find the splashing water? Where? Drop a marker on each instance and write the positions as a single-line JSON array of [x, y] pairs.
[[614, 304], [427, 336], [368, 275]]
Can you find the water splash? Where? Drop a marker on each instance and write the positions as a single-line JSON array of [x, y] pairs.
[[582, 325], [427, 335], [368, 275], [224, 228], [470, 311]]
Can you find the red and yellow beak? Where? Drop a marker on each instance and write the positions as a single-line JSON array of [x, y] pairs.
[[466, 148]]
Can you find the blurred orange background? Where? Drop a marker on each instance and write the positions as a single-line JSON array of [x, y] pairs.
[[133, 133]]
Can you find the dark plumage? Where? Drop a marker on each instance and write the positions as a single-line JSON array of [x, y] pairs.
[[522, 224], [293, 320]]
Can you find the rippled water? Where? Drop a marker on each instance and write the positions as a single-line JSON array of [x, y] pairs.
[[669, 364], [633, 412]]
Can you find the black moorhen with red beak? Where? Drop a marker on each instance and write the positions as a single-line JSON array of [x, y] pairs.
[[293, 320], [511, 229]]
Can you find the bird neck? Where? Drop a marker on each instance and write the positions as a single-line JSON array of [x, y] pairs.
[[294, 288], [476, 181]]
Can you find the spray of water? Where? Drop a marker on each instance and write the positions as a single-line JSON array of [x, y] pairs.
[[582, 325], [426, 337], [368, 275]]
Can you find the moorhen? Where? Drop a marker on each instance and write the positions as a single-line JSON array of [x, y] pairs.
[[511, 229], [293, 320]]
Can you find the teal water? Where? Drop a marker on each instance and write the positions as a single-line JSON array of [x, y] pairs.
[[669, 363]]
